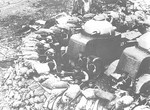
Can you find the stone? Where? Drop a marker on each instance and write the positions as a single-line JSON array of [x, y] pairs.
[[6, 108], [34, 86], [31, 100], [37, 99], [39, 91]]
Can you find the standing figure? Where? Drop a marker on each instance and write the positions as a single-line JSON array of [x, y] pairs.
[[80, 7]]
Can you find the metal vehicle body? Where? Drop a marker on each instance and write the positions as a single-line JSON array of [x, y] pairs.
[[135, 60], [106, 48]]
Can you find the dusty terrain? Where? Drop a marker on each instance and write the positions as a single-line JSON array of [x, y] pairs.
[[14, 14]]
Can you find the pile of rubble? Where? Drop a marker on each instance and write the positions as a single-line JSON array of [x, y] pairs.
[[44, 79]]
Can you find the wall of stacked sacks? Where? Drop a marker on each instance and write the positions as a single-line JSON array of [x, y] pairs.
[[37, 81]]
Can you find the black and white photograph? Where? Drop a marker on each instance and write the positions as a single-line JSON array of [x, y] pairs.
[[74, 54]]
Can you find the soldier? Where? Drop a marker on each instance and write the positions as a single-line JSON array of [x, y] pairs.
[[77, 7], [80, 7], [80, 76], [50, 54], [81, 61], [94, 67]]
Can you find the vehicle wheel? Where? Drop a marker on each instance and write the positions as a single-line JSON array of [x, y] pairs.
[[142, 83]]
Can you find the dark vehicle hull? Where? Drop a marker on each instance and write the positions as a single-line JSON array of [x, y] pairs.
[[107, 48]]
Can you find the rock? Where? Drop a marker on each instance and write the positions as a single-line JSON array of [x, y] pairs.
[[21, 84], [23, 70], [27, 102], [8, 73], [46, 94], [43, 98], [22, 108], [39, 91], [30, 82], [5, 87], [37, 99], [34, 86], [29, 95], [6, 108], [28, 108], [17, 77], [31, 101], [11, 94], [17, 96], [38, 106], [15, 83], [16, 104], [9, 82], [24, 96]]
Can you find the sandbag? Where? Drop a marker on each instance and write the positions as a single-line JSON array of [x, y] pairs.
[[48, 83], [29, 49], [104, 94], [89, 93], [60, 84], [126, 100], [122, 102], [100, 17], [71, 93], [89, 104], [88, 16], [33, 56], [41, 68], [82, 104], [74, 20], [62, 18]]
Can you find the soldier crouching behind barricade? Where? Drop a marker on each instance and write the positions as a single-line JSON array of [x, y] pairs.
[[81, 61], [79, 76]]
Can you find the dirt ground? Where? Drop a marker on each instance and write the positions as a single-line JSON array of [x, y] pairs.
[[14, 14]]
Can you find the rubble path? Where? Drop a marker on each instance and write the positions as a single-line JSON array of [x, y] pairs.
[[14, 14]]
